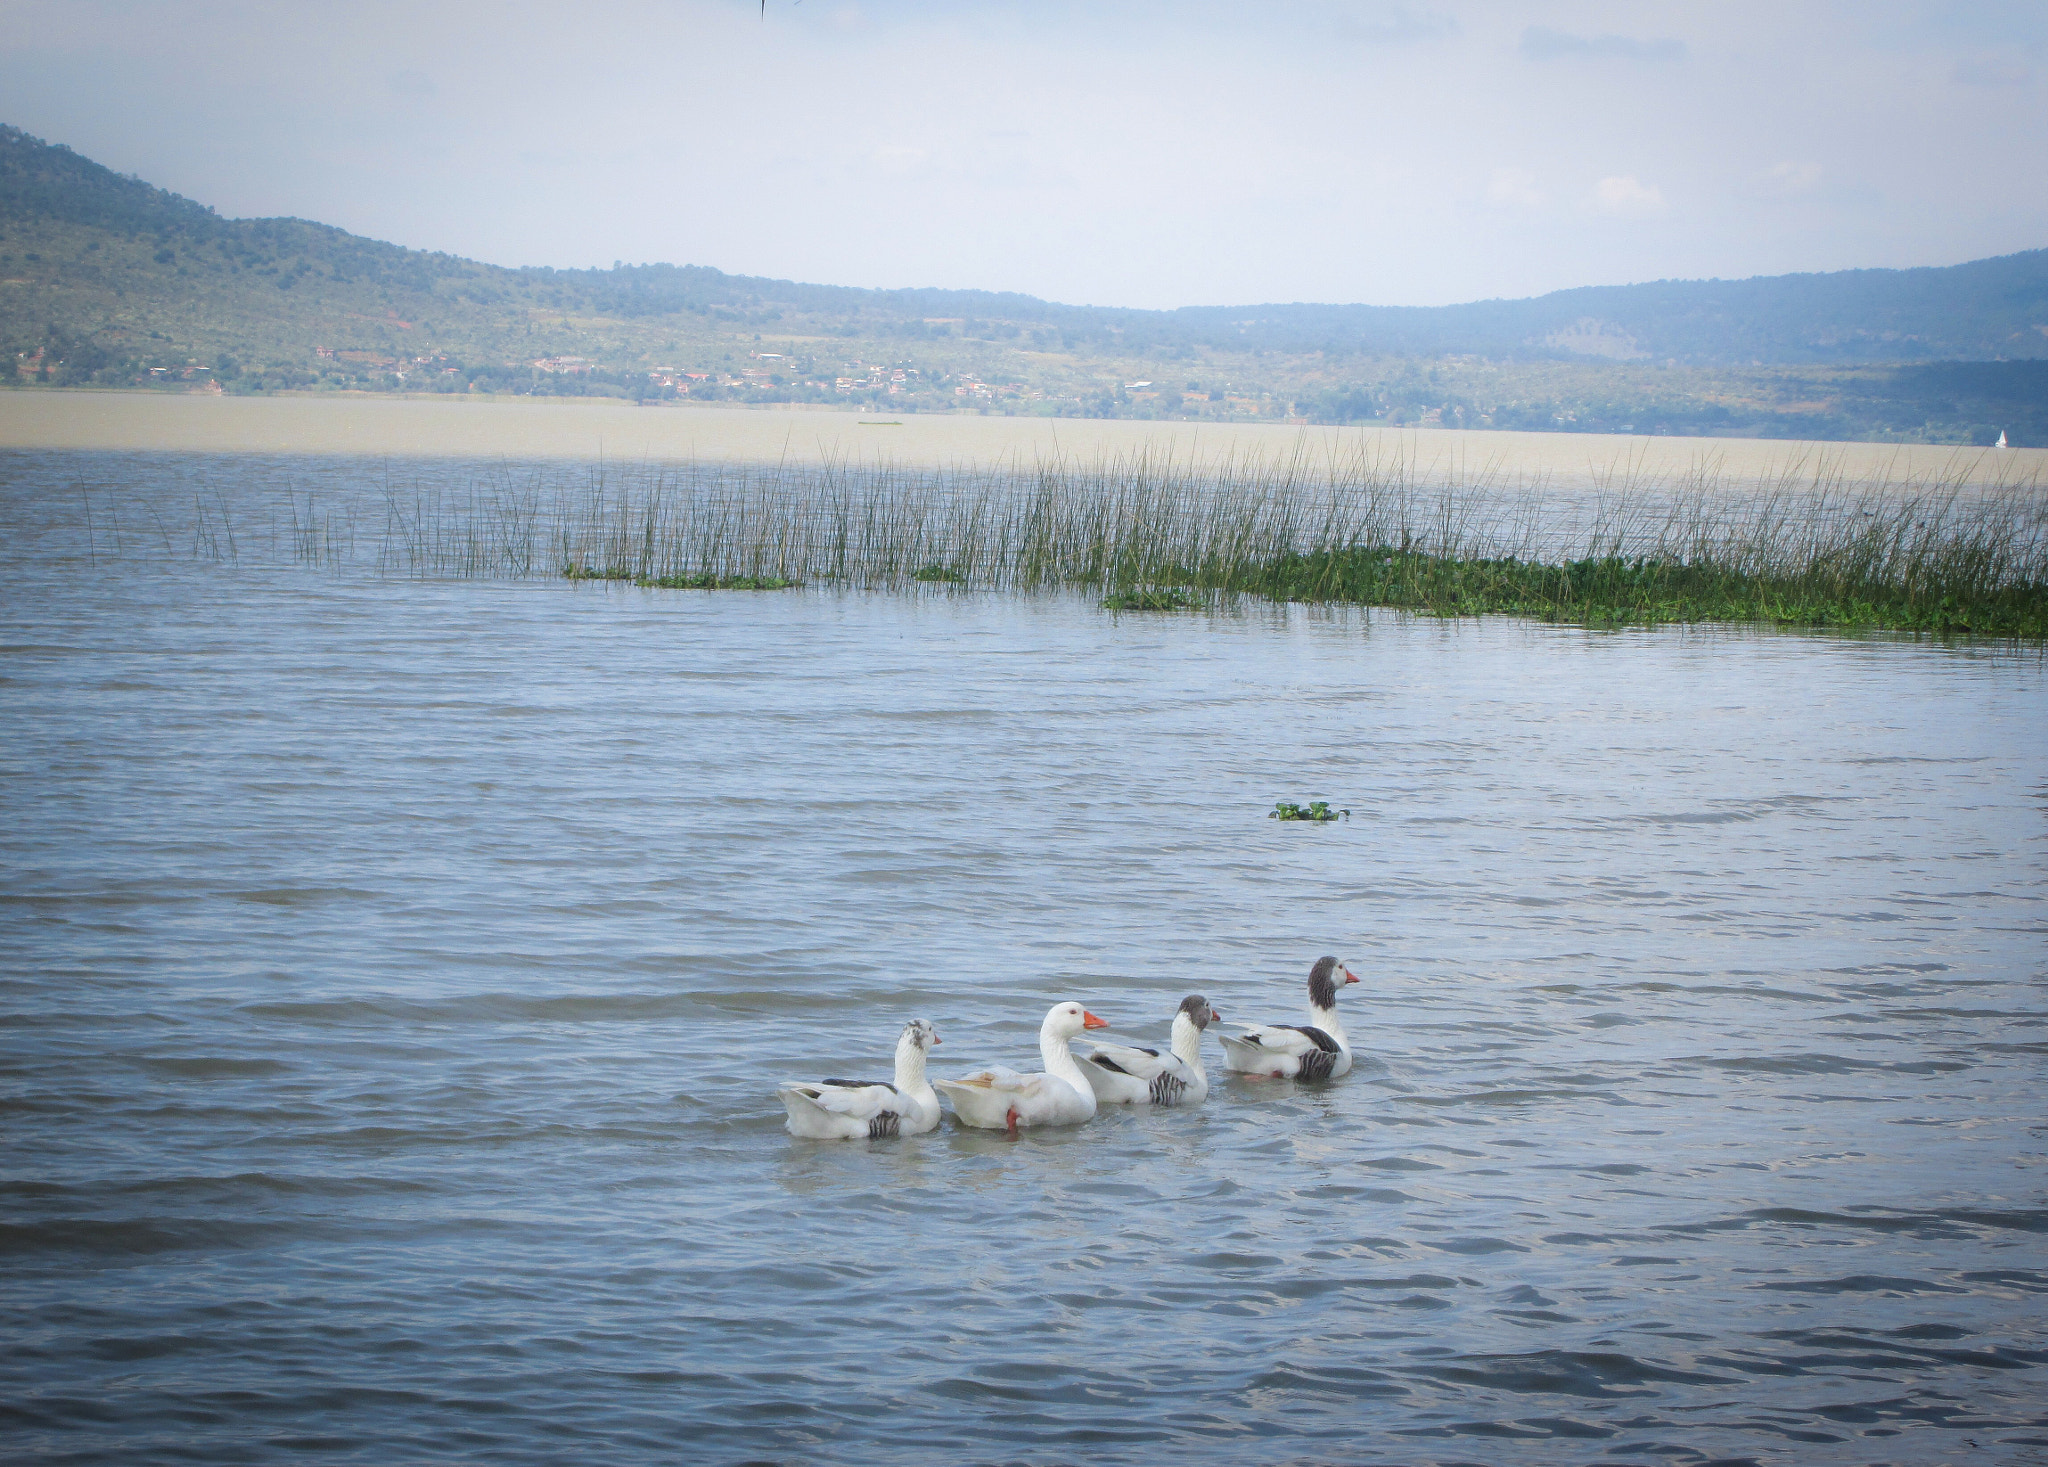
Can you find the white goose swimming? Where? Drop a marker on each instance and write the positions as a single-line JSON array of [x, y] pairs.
[[1123, 1074], [1000, 1099], [1316, 1050], [851, 1110]]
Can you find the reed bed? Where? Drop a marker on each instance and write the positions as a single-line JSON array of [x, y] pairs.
[[1804, 546]]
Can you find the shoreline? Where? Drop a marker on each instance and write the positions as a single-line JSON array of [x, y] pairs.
[[437, 426]]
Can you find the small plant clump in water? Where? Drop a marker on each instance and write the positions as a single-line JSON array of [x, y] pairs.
[[575, 572], [1162, 598], [937, 572], [718, 583], [1318, 810]]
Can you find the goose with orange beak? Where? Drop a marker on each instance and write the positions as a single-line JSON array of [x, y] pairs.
[[1316, 1050], [1000, 1099]]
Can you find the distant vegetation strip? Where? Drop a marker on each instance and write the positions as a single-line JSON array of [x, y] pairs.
[[1805, 549]]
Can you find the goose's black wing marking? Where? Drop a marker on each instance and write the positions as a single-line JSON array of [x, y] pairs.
[[1108, 1064], [886, 1123], [858, 1084], [1322, 1041], [1317, 1064], [1168, 1088]]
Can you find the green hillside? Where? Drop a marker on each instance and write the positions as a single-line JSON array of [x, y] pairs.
[[107, 281]]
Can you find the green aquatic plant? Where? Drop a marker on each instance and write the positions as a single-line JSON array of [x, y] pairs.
[[1158, 598], [1804, 546], [1317, 810], [718, 583]]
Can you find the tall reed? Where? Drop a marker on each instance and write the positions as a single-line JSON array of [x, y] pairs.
[[1803, 545]]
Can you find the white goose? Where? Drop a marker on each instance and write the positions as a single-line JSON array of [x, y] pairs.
[[1122, 1074], [1316, 1050], [851, 1110], [999, 1099]]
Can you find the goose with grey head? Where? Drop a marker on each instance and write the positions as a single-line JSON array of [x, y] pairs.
[[1125, 1074], [853, 1110], [1000, 1099], [1316, 1050]]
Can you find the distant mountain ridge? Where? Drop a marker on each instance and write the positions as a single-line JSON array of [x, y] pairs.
[[1985, 310], [107, 281], [1992, 309]]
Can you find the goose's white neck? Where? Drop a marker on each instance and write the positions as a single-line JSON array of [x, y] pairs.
[[1327, 1021], [1059, 1059], [1187, 1043], [910, 1068]]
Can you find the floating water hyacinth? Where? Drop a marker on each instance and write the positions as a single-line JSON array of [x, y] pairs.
[[1318, 810]]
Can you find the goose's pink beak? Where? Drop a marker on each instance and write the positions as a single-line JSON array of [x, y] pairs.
[[1089, 1021]]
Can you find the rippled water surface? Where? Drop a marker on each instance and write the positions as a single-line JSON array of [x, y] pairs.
[[396, 976]]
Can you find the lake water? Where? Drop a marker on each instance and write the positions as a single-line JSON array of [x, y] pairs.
[[394, 976]]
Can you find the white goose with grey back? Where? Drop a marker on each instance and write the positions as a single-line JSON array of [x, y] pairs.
[[1316, 1050], [853, 1110], [1124, 1074]]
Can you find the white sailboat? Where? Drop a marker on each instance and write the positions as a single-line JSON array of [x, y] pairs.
[[2001, 443]]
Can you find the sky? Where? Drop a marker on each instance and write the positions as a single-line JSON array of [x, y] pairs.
[[1123, 154]]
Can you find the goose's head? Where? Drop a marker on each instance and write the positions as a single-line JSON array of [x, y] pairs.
[[919, 1035], [1068, 1019], [1324, 979], [1197, 1011]]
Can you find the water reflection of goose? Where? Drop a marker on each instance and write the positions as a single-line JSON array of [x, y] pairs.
[[1316, 1050], [851, 1110], [1001, 1099], [1123, 1074]]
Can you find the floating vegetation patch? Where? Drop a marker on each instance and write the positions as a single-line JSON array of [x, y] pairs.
[[1317, 810], [1154, 598], [1867, 582], [574, 572], [718, 583], [938, 573]]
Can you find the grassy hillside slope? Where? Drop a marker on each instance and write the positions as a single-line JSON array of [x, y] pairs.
[[105, 280]]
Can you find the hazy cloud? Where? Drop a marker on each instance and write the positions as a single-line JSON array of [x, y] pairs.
[[1541, 43], [1991, 71], [1789, 178], [897, 158], [1395, 25], [1514, 186], [1626, 195], [413, 86], [1154, 152]]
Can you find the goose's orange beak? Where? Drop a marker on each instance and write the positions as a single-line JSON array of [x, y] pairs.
[[1349, 976], [1089, 1021]]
